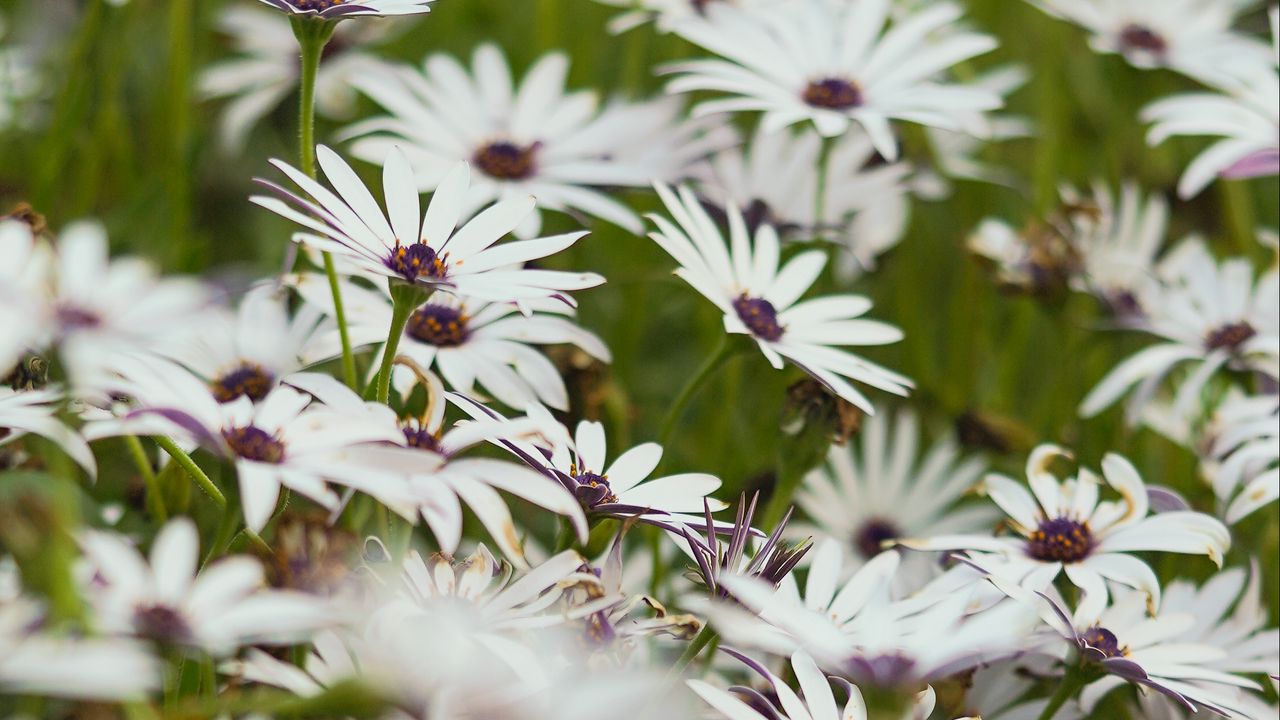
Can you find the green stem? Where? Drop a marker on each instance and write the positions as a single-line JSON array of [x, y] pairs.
[[404, 300], [182, 458], [690, 653], [820, 187], [313, 35], [1071, 683], [722, 352], [155, 500]]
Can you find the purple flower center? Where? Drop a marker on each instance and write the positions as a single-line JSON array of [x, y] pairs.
[[759, 316], [870, 538], [421, 438], [253, 443], [593, 490], [316, 5], [77, 318], [833, 93], [1102, 640], [1060, 540], [1135, 37], [1230, 336], [438, 325], [249, 380], [161, 623], [506, 161], [415, 261]]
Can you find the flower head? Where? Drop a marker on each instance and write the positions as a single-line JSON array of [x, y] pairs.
[[342, 9]]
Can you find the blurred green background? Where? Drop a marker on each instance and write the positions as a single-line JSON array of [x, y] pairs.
[[116, 132]]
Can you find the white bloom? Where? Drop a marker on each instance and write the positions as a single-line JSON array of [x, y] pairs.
[[36, 412], [1246, 116], [1193, 37], [534, 138], [432, 252], [865, 205], [667, 14], [1118, 239], [168, 601], [1208, 313], [1065, 529], [1245, 456], [285, 440], [473, 343], [1247, 645], [888, 490], [957, 153], [264, 70], [341, 9], [835, 64], [246, 353], [760, 300]]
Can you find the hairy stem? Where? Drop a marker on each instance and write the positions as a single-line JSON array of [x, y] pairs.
[[181, 457]]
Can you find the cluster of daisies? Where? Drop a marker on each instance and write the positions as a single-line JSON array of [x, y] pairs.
[[303, 447]]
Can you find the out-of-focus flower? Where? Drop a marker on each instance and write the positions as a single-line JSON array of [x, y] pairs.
[[888, 490], [1117, 238], [666, 14], [1245, 455], [1193, 37], [760, 300], [849, 68], [341, 9], [430, 251], [957, 153], [36, 412], [532, 139], [1208, 313], [264, 70], [1065, 529], [474, 344], [166, 600], [865, 203], [768, 561]]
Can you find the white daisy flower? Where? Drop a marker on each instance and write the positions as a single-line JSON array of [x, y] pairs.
[[534, 138], [1118, 237], [760, 300], [166, 600], [1063, 528], [98, 307], [23, 291], [34, 663], [1130, 646], [1193, 37], [285, 440], [433, 252], [473, 343], [1209, 313], [865, 204], [36, 412], [1244, 459], [264, 70], [1246, 116], [246, 353], [888, 490], [20, 82], [835, 64], [1247, 645], [958, 153], [817, 703], [434, 482], [342, 9]]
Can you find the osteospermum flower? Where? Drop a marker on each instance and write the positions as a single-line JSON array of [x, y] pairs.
[[666, 14], [342, 9], [246, 353], [264, 69], [532, 139], [1130, 646], [760, 300], [866, 498], [432, 252], [36, 412], [1063, 528], [1212, 314], [768, 561], [1118, 238], [958, 154], [1245, 455], [849, 68], [1193, 37], [168, 601], [284, 440], [1246, 644], [864, 205], [473, 343]]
